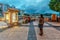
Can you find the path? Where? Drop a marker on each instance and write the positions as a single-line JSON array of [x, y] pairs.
[[30, 31]]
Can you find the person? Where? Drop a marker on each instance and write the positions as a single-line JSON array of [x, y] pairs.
[[29, 19], [41, 22]]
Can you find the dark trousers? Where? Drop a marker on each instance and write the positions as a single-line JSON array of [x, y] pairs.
[[41, 28], [41, 31]]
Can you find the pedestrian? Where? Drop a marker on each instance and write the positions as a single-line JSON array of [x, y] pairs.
[[41, 22]]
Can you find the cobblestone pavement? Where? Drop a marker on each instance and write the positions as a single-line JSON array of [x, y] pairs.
[[30, 32], [50, 33], [3, 24], [56, 25]]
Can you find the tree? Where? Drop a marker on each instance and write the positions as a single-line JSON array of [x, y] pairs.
[[55, 5], [26, 14]]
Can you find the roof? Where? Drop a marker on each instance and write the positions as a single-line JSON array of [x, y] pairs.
[[13, 9]]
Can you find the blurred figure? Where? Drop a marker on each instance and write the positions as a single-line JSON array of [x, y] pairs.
[[29, 19], [41, 22]]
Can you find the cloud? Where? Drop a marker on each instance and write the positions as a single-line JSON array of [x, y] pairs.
[[31, 6]]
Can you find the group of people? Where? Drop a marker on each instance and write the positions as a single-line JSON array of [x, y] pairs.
[[40, 25]]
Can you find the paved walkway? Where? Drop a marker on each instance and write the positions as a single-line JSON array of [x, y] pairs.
[[55, 24], [30, 32], [3, 24]]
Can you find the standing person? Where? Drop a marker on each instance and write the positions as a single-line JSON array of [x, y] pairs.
[[29, 19], [41, 22]]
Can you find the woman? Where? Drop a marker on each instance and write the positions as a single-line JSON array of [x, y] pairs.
[[41, 22]]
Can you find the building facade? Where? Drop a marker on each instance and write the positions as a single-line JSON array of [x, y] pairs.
[[3, 8]]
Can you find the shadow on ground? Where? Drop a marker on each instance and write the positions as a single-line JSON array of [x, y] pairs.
[[56, 27], [3, 29]]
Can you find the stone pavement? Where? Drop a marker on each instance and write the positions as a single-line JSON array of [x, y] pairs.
[[55, 24], [50, 33], [30, 32], [15, 33], [3, 24]]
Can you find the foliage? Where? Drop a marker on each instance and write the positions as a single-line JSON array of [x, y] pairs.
[[55, 5], [26, 14]]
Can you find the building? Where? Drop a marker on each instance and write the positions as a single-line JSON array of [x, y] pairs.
[[11, 16], [3, 8]]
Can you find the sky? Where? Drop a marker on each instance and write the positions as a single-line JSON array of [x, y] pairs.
[[30, 6]]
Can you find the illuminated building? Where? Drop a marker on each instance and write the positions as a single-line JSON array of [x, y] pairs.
[[11, 16]]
